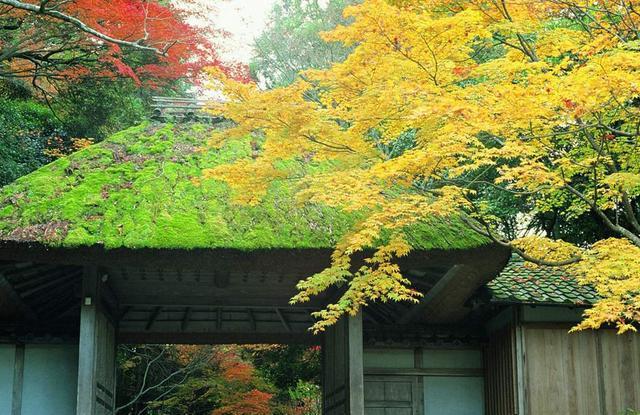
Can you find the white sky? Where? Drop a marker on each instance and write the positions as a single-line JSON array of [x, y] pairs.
[[244, 20]]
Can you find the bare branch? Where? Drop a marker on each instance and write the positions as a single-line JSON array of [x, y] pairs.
[[143, 388], [172, 380]]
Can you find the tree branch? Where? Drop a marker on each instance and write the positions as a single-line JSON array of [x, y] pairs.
[[635, 239], [487, 233], [41, 9], [143, 388]]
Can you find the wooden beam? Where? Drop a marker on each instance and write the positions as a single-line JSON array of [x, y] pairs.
[[213, 307], [22, 306], [185, 319], [217, 338], [256, 300], [109, 298], [221, 280], [153, 317], [70, 307], [252, 319], [371, 314], [47, 285], [64, 288], [124, 312], [293, 262], [283, 320], [45, 277], [21, 274], [58, 300], [432, 294], [12, 266]]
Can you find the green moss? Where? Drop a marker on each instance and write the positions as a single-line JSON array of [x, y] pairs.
[[136, 190]]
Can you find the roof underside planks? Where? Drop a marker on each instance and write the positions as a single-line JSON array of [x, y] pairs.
[[190, 296]]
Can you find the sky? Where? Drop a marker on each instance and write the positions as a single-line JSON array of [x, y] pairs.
[[244, 20]]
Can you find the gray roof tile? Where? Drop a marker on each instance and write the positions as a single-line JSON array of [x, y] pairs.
[[520, 283]]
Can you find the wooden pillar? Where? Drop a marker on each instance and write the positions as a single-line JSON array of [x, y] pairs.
[[356, 366], [96, 362], [343, 374], [18, 380]]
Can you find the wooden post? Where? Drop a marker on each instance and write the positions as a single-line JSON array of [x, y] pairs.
[[18, 380], [96, 362], [356, 365], [86, 400], [342, 366]]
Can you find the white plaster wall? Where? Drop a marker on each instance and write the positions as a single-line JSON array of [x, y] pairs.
[[453, 395], [7, 359], [50, 380]]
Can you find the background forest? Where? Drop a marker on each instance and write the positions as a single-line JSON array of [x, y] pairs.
[[61, 91]]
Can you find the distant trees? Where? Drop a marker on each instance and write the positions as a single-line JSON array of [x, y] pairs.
[[217, 380], [27, 131], [294, 371], [292, 41], [180, 379]]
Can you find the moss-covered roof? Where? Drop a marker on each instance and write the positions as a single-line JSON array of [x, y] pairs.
[[137, 189], [519, 283]]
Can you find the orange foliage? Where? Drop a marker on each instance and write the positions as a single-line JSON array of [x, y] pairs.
[[234, 369], [254, 402], [58, 148], [183, 48]]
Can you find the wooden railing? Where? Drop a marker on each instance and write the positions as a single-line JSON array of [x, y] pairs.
[[182, 109]]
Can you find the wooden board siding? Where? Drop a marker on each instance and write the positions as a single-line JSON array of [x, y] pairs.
[[580, 374], [105, 366], [620, 371], [560, 372], [500, 382]]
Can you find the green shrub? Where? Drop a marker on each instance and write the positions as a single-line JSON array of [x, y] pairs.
[[27, 128]]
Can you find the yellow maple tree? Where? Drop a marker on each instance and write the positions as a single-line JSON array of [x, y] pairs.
[[536, 98]]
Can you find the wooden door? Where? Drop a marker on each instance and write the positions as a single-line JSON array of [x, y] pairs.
[[391, 395]]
